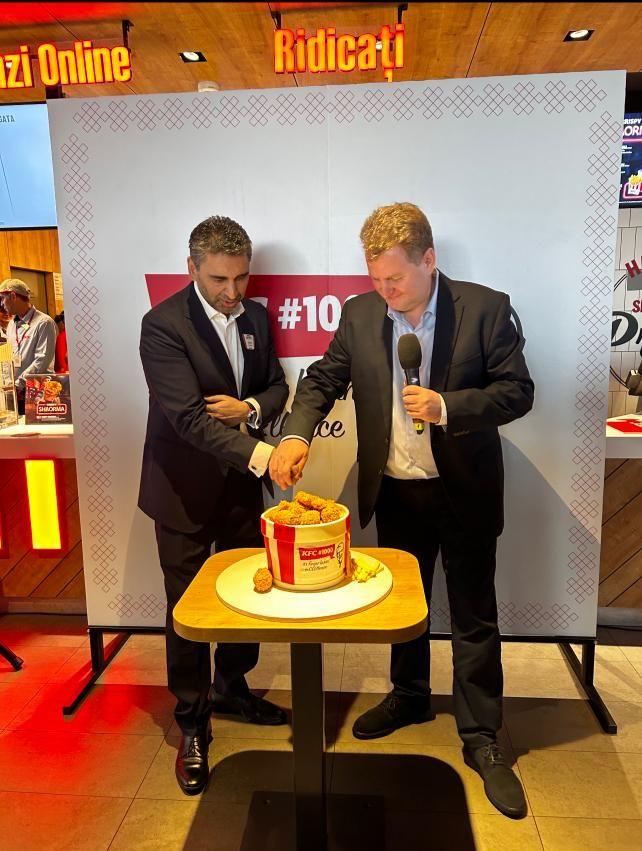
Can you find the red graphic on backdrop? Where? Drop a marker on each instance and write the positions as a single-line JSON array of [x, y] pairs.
[[304, 310], [631, 425]]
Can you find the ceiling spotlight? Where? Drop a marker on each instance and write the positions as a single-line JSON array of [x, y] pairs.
[[208, 86], [192, 56], [578, 35], [379, 45]]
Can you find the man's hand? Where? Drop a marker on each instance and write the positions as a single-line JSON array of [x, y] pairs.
[[227, 409], [287, 462], [422, 404]]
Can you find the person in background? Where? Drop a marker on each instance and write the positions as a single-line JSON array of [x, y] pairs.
[[61, 362], [4, 321], [32, 335]]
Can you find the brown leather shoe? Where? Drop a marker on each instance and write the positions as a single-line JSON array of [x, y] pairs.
[[501, 784], [192, 767], [392, 713]]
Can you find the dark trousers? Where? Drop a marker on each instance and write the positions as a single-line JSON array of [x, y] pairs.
[[415, 516], [189, 675]]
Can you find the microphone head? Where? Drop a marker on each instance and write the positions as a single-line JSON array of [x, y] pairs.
[[409, 351]]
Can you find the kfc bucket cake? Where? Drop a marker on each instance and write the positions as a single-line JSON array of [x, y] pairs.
[[307, 542]]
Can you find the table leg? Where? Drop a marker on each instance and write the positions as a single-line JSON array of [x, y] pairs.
[[308, 737]]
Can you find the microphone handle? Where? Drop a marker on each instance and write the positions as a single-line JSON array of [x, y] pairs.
[[412, 377]]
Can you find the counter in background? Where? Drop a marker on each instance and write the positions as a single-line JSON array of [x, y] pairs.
[[30, 580]]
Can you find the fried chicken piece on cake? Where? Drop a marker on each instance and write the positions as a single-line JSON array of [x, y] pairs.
[[310, 501], [283, 505], [332, 511], [286, 516], [308, 518]]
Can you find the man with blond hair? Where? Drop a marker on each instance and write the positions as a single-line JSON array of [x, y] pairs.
[[214, 381], [441, 490]]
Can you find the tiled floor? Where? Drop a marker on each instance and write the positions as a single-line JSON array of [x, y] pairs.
[[105, 777]]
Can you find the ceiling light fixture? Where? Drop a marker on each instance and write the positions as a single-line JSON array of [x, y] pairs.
[[578, 35], [192, 56]]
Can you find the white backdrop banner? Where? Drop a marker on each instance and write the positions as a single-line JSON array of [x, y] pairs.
[[519, 177]]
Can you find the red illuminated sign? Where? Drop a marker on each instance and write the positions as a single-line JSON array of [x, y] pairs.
[[81, 64], [294, 52]]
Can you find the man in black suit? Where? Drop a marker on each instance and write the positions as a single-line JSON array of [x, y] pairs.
[[214, 380], [441, 490]]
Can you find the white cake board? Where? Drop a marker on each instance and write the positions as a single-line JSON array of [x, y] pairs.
[[235, 588]]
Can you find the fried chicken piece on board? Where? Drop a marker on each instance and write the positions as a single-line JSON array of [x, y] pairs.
[[262, 580]]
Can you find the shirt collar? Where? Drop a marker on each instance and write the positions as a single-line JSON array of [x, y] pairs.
[[431, 307], [212, 313], [26, 319]]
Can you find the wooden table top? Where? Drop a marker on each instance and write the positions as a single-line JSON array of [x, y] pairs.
[[401, 616]]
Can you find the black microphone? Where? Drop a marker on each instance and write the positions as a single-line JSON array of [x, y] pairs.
[[409, 352]]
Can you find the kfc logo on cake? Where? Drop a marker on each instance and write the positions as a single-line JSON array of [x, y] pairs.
[[310, 553]]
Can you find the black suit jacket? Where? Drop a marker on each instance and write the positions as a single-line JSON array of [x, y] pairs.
[[477, 366], [187, 453]]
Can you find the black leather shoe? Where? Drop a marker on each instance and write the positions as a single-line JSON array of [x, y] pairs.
[[392, 713], [251, 708], [192, 768], [501, 784]]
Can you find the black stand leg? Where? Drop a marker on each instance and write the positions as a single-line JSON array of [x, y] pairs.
[[10, 656], [308, 736], [99, 661], [584, 671]]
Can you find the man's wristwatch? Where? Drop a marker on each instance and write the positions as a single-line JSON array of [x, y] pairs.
[[253, 416]]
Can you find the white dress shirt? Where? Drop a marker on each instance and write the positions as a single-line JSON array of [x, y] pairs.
[[227, 330], [410, 455]]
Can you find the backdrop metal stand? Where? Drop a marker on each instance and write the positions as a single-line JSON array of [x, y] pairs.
[[583, 669], [100, 659], [10, 656]]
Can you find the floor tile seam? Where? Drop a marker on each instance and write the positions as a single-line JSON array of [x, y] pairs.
[[66, 794], [530, 813], [591, 818], [78, 733], [140, 785], [23, 708], [582, 750], [533, 748], [120, 824], [63, 794], [51, 731]]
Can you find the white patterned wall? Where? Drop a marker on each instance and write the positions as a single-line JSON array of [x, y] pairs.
[[301, 169]]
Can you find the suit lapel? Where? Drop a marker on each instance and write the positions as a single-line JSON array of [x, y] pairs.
[[247, 333], [207, 333], [381, 359], [449, 312]]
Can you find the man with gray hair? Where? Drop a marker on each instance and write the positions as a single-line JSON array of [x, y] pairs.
[[31, 333], [214, 380]]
